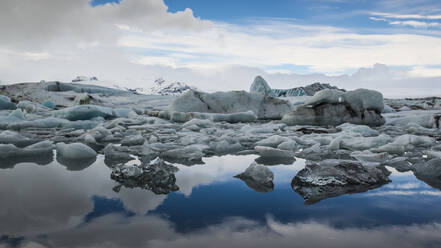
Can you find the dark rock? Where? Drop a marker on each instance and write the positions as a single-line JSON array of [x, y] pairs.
[[157, 176], [330, 178]]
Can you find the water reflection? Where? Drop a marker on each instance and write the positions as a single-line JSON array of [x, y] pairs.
[[40, 159], [76, 164], [52, 206]]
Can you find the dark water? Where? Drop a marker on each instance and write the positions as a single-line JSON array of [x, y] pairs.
[[53, 206]]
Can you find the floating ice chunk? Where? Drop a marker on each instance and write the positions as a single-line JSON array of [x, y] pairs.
[[258, 177], [289, 145], [265, 151], [388, 109], [363, 130], [433, 154], [114, 155], [200, 123], [315, 149], [49, 104], [404, 108], [16, 115], [26, 105], [75, 151], [123, 113], [416, 129], [51, 123], [361, 99], [325, 96], [84, 99], [224, 147], [405, 143], [13, 117], [424, 118], [429, 172], [272, 141], [248, 116], [369, 158], [358, 143], [135, 140], [399, 163], [189, 138], [192, 153], [10, 137], [5, 103], [84, 112]]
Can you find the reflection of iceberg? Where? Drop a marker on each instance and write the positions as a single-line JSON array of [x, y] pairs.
[[40, 153], [330, 178], [157, 176], [258, 177], [40, 159], [76, 164]]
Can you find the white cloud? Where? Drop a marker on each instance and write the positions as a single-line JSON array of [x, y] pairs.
[[422, 71], [406, 16], [137, 41]]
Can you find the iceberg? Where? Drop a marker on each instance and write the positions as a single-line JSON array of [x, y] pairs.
[[332, 108], [231, 102], [258, 177], [330, 178], [5, 103], [83, 112], [156, 175]]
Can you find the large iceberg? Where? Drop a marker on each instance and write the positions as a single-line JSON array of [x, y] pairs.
[[231, 102], [333, 107]]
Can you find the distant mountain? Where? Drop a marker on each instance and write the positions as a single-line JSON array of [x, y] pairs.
[[308, 90], [259, 85], [163, 88], [84, 78]]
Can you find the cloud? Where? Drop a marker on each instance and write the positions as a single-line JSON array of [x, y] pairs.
[[32, 25], [406, 16], [136, 41]]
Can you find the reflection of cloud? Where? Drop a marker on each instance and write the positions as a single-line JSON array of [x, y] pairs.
[[406, 186], [216, 169], [140, 201], [151, 231], [38, 200], [404, 192], [221, 169]]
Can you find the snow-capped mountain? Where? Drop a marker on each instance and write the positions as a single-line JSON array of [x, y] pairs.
[[161, 87]]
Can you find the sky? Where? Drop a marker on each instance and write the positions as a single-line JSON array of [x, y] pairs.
[[390, 45]]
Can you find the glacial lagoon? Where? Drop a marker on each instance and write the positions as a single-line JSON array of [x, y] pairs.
[[55, 205]]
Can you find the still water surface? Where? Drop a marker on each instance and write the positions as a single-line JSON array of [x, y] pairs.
[[56, 206]]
